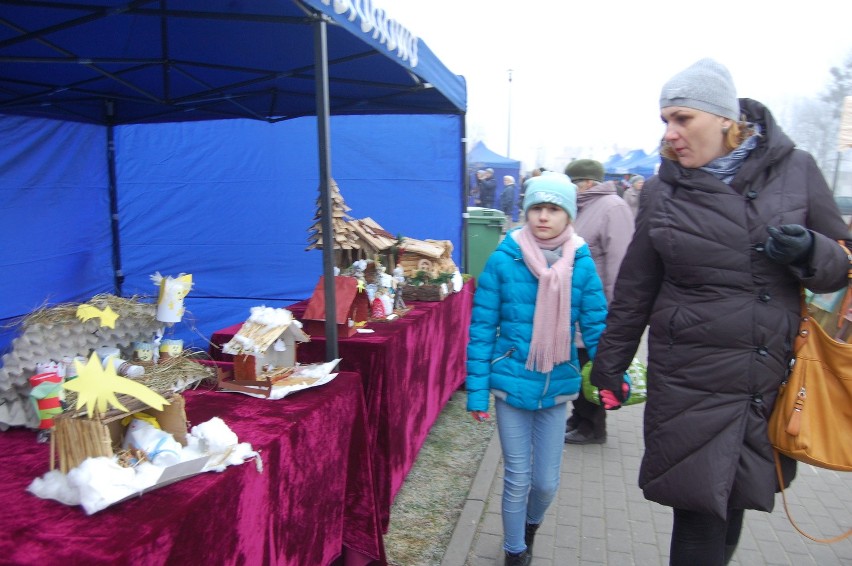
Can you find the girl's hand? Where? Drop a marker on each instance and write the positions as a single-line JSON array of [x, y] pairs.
[[480, 416], [612, 400]]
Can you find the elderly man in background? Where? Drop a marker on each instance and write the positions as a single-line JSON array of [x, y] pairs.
[[605, 221]]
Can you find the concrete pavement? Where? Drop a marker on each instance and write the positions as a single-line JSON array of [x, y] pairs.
[[601, 518]]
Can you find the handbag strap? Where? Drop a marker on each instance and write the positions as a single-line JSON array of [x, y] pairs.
[[846, 303], [787, 509]]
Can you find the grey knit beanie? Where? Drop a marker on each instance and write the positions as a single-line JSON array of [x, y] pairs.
[[706, 85]]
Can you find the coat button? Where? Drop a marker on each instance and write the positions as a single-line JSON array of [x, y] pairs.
[[751, 195], [759, 247], [762, 351], [765, 297]]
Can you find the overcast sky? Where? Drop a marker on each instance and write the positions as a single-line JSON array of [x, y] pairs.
[[586, 76]]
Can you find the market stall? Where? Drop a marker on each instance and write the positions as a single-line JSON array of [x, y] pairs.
[[143, 145], [310, 501], [409, 367]]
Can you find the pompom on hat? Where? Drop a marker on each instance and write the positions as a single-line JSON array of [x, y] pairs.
[[551, 188], [705, 85]]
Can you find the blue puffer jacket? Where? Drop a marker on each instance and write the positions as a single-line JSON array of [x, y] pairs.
[[502, 324]]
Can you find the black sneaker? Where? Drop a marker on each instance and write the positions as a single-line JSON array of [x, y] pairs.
[[577, 437]]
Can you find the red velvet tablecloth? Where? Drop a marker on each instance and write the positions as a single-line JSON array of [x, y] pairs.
[[313, 500], [410, 367]]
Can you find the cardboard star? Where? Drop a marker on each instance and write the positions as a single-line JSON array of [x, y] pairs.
[[96, 388], [107, 315]]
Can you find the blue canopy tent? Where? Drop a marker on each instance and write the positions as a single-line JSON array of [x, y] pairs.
[[480, 157], [635, 162], [192, 136]]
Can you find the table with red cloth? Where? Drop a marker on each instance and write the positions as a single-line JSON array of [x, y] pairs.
[[410, 367], [313, 500]]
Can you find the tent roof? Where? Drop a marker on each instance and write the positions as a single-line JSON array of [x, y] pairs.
[[481, 154], [179, 60]]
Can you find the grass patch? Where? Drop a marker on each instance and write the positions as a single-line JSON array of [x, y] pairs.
[[430, 501]]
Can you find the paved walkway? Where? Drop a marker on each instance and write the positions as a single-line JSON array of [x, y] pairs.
[[601, 517]]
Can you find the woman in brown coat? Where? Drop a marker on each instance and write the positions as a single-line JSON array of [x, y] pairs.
[[732, 227]]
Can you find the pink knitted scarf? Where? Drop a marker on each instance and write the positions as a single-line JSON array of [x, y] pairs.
[[551, 337]]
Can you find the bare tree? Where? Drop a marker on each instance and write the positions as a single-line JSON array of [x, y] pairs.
[[815, 123]]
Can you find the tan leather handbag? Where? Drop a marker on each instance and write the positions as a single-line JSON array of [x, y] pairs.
[[812, 418]]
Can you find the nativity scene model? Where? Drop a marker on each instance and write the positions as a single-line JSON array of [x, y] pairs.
[[376, 272], [89, 377]]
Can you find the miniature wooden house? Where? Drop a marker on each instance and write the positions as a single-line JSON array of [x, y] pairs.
[[351, 305], [374, 241], [266, 343], [431, 256]]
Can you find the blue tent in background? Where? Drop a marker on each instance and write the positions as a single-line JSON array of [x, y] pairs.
[[194, 136], [480, 157], [635, 162]]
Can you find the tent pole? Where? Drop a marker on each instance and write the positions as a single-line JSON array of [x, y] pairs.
[[118, 274], [324, 138]]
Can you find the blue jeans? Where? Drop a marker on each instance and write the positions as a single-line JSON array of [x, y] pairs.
[[532, 444]]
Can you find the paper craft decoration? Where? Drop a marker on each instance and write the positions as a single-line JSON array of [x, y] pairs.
[[170, 348], [265, 345], [143, 352], [46, 395], [352, 307], [172, 292], [107, 315], [96, 387]]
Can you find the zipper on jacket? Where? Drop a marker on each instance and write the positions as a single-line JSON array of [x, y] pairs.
[[508, 353]]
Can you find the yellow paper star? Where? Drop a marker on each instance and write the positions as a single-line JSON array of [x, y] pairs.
[[107, 315], [96, 387]]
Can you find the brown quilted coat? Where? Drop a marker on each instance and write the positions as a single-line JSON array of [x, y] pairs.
[[722, 318]]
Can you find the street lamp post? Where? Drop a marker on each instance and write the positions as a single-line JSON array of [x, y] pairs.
[[509, 125]]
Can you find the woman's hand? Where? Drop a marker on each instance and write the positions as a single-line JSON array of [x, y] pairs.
[[480, 416], [788, 243]]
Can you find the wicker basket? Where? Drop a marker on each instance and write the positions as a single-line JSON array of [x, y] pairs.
[[423, 293]]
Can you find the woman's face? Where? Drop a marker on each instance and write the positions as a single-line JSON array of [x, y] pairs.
[[696, 137], [547, 220]]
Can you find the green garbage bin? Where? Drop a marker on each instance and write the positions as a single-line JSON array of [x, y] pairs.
[[484, 228]]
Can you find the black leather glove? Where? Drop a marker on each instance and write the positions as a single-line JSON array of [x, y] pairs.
[[789, 243]]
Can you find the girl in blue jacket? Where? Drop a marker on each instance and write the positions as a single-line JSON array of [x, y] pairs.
[[538, 284]]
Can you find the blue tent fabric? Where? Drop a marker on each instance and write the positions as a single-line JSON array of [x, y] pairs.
[[199, 190], [212, 59], [229, 201], [480, 157]]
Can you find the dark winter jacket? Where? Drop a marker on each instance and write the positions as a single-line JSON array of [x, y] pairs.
[[487, 190], [722, 318], [502, 325]]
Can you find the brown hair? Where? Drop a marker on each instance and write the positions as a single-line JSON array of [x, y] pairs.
[[736, 134]]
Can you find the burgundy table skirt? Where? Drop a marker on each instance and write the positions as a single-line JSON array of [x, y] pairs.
[[313, 502], [410, 367]]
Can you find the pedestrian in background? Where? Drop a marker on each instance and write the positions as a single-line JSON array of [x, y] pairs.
[[631, 195], [535, 287], [605, 222], [508, 200], [487, 188], [732, 227]]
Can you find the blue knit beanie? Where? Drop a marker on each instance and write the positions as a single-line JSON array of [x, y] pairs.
[[705, 85], [552, 188]]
